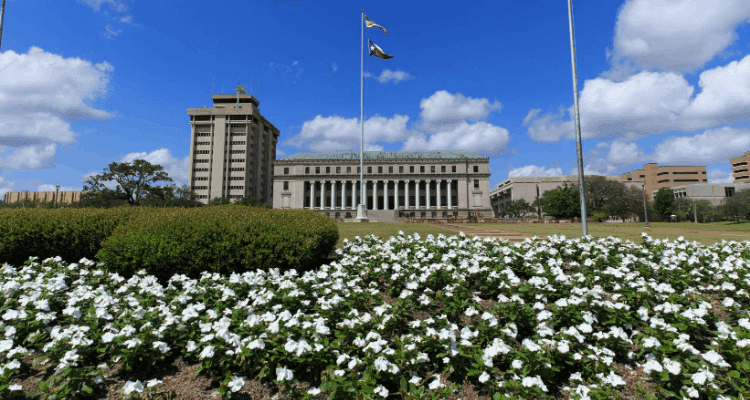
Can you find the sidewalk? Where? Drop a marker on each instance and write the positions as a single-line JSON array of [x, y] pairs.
[[512, 237]]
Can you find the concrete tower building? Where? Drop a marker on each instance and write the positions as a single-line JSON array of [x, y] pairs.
[[232, 150], [740, 168]]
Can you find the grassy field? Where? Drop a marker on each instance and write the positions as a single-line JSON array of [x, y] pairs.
[[625, 231]]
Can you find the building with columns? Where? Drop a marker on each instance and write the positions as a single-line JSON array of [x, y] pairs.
[[232, 150], [398, 184]]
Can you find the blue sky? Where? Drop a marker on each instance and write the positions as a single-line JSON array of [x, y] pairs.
[[84, 83]]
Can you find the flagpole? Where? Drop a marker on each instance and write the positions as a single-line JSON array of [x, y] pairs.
[[577, 122], [362, 208]]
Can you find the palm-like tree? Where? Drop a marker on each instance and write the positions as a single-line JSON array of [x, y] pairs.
[[2, 17]]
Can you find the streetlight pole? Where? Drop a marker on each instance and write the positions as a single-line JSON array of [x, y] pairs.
[[645, 211], [579, 151], [57, 194], [695, 210]]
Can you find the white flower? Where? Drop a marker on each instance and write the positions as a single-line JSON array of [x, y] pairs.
[[191, 345], [236, 384], [162, 346], [484, 377], [699, 378], [415, 380], [534, 381], [382, 391], [728, 302], [436, 384], [529, 344], [673, 367], [517, 364], [207, 352], [14, 388], [153, 382], [283, 374], [340, 372], [133, 386], [652, 365], [651, 342], [314, 391], [715, 358]]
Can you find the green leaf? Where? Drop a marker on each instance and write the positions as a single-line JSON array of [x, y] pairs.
[[734, 374]]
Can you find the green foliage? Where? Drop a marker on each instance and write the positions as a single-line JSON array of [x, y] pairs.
[[664, 203], [562, 202], [738, 206], [600, 216], [517, 208]]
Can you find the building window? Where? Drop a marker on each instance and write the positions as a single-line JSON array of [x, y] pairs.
[[432, 169], [661, 181], [643, 176], [348, 170], [286, 185], [729, 191], [411, 169], [286, 171], [453, 169], [476, 168], [317, 170], [662, 173], [442, 168], [421, 168], [476, 184], [401, 169], [380, 170], [359, 170], [338, 170], [328, 170], [369, 170], [390, 170]]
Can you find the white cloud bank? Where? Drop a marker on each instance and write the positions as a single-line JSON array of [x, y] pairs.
[[391, 76]]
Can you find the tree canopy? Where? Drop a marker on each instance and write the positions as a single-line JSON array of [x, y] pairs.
[[664, 203], [562, 202]]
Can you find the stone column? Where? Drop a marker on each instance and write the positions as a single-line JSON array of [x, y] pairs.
[[439, 183], [333, 195], [395, 196], [343, 195], [385, 195], [427, 196], [418, 182], [322, 194], [312, 194], [374, 194], [354, 194]]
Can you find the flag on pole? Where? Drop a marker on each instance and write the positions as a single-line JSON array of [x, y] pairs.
[[376, 51], [371, 24]]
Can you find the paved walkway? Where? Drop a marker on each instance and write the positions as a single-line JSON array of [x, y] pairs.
[[470, 231]]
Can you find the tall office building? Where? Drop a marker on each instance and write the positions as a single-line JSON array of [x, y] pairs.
[[740, 168], [657, 177], [232, 150]]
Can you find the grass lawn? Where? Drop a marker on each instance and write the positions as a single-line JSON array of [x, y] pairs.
[[624, 231], [632, 231]]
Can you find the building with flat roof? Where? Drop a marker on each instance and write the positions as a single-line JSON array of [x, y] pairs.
[[67, 197], [741, 168], [398, 184], [232, 150], [714, 193], [530, 187], [657, 177]]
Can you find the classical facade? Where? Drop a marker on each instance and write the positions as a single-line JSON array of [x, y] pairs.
[[398, 184], [232, 150], [530, 188], [740, 168], [714, 193], [49, 196], [657, 177]]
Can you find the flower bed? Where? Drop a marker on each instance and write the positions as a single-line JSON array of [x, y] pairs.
[[404, 319]]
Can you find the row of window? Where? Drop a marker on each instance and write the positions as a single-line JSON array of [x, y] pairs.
[[739, 164], [401, 214], [677, 173], [380, 200], [476, 184], [380, 169]]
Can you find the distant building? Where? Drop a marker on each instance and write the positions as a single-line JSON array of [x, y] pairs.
[[657, 177], [232, 150], [398, 184], [67, 197], [740, 168], [714, 193], [530, 187]]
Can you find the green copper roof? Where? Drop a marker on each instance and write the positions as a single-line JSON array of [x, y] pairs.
[[384, 155]]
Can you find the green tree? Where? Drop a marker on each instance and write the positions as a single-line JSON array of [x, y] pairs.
[[518, 208], [172, 196], [562, 202], [664, 203], [737, 206], [134, 181]]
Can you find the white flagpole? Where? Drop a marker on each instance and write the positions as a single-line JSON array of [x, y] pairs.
[[362, 208], [578, 123]]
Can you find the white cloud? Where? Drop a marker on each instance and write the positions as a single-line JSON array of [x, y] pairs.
[[335, 67], [116, 6], [387, 75], [534, 170], [338, 133], [34, 107], [679, 35], [719, 176], [479, 136], [442, 109], [622, 153], [711, 147], [295, 62], [650, 103]]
